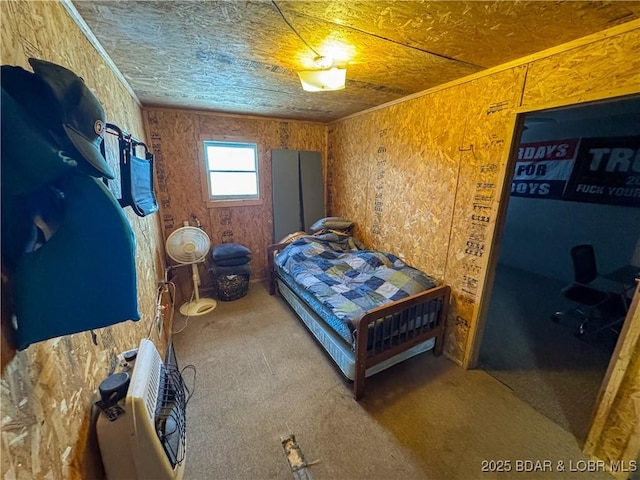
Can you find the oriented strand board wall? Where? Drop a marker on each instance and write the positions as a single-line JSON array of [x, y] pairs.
[[482, 167], [47, 389], [393, 154], [176, 141], [615, 435], [430, 172], [599, 69]]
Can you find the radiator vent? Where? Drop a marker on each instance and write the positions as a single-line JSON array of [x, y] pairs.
[[146, 438]]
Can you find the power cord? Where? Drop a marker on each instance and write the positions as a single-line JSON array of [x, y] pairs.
[[189, 391], [186, 318], [158, 314], [164, 287]]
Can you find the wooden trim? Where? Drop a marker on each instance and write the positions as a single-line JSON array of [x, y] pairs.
[[592, 97], [472, 352], [84, 28], [628, 343], [204, 182], [565, 47], [216, 137], [196, 111], [233, 203]]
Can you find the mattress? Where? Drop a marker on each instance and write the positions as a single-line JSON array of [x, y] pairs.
[[336, 346], [330, 318]]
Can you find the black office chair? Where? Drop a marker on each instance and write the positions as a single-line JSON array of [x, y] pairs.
[[594, 305]]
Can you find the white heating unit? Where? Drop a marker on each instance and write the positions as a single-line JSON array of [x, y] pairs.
[[141, 429]]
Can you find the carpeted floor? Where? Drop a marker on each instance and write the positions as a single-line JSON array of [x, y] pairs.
[[261, 377], [541, 361]]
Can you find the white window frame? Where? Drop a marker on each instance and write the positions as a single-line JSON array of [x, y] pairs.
[[229, 200]]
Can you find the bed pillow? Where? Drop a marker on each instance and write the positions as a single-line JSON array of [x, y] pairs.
[[331, 223], [292, 237], [218, 271], [225, 251], [232, 262]]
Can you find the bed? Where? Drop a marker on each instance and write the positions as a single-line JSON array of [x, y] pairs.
[[367, 309]]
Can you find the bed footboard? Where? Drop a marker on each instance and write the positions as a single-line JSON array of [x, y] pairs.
[[391, 329]]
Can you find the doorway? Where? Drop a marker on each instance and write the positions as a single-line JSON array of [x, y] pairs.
[[543, 362]]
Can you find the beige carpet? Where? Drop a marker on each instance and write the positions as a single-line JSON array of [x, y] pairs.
[[261, 377]]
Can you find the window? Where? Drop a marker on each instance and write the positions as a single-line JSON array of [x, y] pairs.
[[232, 170]]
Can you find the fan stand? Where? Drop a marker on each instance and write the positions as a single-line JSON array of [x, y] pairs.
[[198, 306]]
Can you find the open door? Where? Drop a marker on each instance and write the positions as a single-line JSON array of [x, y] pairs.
[[622, 376]]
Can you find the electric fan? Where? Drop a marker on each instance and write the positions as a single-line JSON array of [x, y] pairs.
[[189, 246]]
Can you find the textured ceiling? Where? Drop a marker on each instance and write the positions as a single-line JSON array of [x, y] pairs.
[[242, 57]]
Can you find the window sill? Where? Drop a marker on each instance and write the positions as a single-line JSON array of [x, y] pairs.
[[233, 203]]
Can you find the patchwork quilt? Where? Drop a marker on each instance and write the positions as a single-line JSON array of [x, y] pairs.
[[348, 280]]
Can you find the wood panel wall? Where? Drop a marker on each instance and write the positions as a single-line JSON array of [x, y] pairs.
[[47, 389], [421, 169], [616, 430], [424, 179], [176, 139], [429, 182]]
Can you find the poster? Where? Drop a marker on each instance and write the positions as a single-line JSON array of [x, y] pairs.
[[544, 168], [607, 170]]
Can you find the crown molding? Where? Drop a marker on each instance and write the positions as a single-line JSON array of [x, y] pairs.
[[82, 25]]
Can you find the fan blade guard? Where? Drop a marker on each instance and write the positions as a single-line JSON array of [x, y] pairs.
[[188, 245]]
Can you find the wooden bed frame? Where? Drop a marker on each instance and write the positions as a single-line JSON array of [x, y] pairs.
[[373, 348]]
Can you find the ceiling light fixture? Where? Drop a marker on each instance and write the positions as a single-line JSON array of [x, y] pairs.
[[326, 76]]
